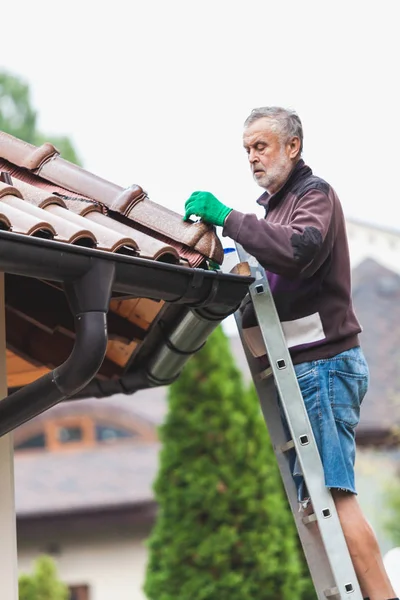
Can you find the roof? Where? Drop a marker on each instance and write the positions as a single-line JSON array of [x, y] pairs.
[[75, 481], [53, 213], [376, 297]]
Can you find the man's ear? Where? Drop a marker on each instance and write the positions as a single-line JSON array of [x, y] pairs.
[[294, 147]]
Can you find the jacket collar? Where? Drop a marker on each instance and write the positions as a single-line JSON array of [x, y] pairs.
[[299, 171]]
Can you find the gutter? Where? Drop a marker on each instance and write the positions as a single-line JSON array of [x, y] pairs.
[[89, 278], [134, 277]]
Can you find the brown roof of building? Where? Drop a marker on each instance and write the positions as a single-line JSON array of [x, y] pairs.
[[44, 196], [106, 477], [376, 293]]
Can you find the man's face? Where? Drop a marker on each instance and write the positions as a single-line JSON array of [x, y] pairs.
[[271, 160]]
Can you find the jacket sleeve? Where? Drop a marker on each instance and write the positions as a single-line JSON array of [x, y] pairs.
[[294, 249]]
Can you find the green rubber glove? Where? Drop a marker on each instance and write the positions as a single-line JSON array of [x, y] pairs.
[[214, 266], [208, 207]]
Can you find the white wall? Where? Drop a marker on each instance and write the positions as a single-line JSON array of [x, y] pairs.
[[369, 242], [112, 564], [376, 472]]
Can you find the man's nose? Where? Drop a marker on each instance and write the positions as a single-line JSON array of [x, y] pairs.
[[253, 156]]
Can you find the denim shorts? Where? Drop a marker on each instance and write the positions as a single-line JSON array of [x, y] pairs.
[[333, 390]]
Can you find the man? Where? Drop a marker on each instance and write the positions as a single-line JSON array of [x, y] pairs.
[[301, 242]]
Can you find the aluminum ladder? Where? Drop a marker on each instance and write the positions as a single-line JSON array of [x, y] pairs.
[[320, 533]]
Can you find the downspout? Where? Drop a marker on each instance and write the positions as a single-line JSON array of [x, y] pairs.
[[89, 298]]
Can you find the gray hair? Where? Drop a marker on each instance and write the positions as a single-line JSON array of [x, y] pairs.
[[287, 121]]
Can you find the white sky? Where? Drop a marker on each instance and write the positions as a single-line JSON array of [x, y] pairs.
[[156, 92]]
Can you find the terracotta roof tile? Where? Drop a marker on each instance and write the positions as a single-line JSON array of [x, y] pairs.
[[148, 247], [145, 245], [107, 239], [25, 155], [26, 209], [23, 217], [5, 223], [34, 195], [43, 166]]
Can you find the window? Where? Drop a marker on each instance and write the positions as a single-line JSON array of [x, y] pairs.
[[66, 435], [109, 433], [80, 431], [79, 592], [70, 432]]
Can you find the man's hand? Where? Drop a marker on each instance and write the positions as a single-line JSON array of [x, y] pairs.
[[206, 206]]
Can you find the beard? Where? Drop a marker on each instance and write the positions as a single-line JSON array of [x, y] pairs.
[[276, 174]]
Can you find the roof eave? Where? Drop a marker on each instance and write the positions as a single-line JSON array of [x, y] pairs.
[[219, 292], [207, 297]]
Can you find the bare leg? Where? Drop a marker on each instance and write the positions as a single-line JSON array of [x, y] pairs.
[[363, 548]]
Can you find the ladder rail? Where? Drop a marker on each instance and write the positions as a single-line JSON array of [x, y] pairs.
[[325, 547]]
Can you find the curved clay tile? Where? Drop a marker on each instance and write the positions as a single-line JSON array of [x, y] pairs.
[[5, 224], [64, 231], [33, 179], [9, 190], [76, 179], [198, 236], [206, 242], [82, 206], [23, 154], [23, 222], [36, 196], [107, 239], [148, 246], [127, 199]]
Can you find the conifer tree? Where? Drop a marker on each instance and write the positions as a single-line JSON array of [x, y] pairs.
[[224, 529], [43, 583]]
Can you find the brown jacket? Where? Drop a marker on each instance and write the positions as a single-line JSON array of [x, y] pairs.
[[302, 245]]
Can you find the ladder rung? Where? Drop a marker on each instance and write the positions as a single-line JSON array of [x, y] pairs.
[[266, 374], [309, 519], [288, 446], [329, 593]]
